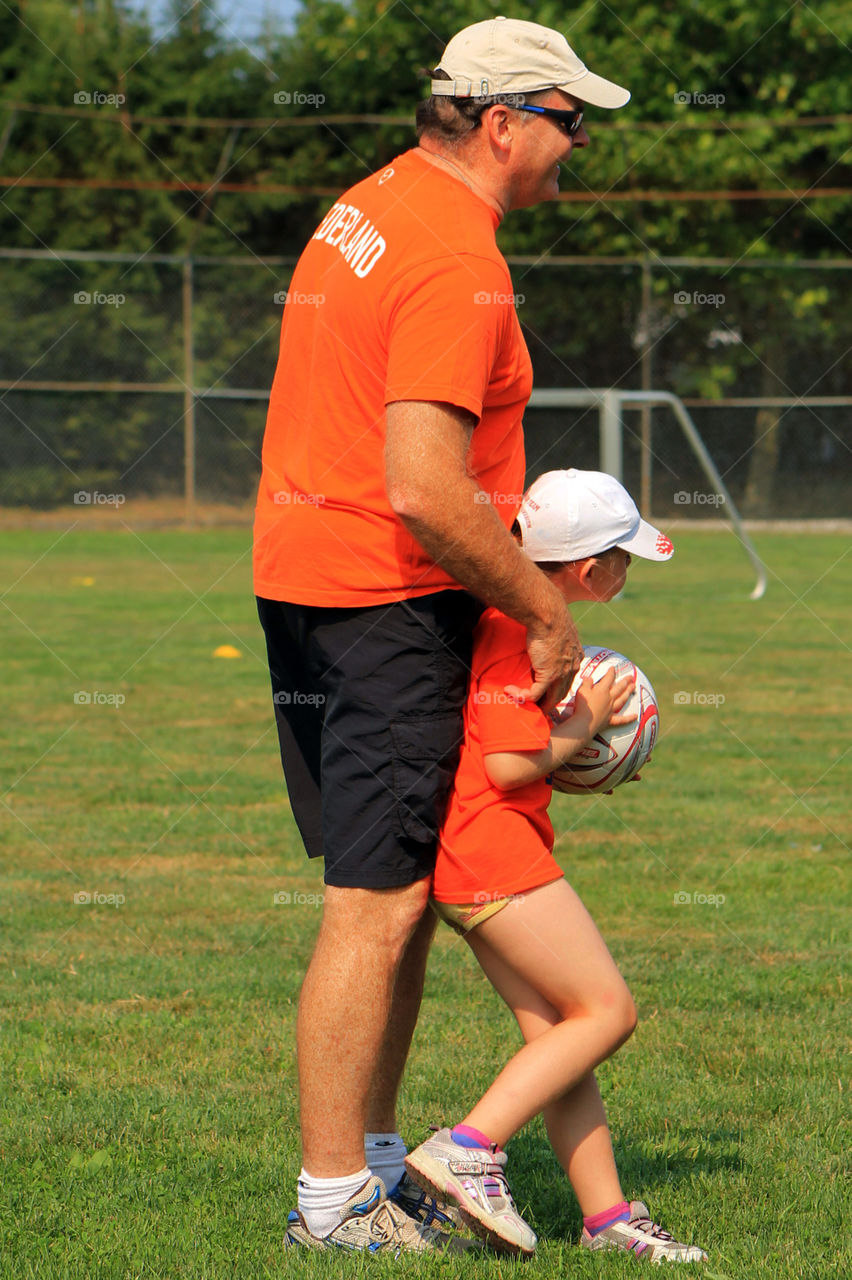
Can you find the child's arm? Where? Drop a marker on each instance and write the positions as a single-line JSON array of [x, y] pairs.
[[596, 705]]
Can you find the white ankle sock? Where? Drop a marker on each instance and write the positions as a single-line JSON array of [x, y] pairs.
[[321, 1199], [386, 1154]]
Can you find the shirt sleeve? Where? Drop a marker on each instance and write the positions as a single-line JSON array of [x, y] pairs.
[[504, 724], [448, 322]]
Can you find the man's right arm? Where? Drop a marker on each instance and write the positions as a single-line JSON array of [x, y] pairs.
[[441, 505]]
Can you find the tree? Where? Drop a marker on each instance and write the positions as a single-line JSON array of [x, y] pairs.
[[728, 94]]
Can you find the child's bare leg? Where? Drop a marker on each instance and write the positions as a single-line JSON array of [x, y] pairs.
[[579, 1134], [545, 957], [576, 1123], [552, 968]]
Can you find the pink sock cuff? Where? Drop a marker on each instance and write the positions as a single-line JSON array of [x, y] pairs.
[[475, 1137], [600, 1221]]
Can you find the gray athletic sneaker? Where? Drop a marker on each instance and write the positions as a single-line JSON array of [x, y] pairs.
[[422, 1207], [643, 1238], [475, 1179], [373, 1224]]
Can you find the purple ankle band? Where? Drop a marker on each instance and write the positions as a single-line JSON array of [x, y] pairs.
[[466, 1136]]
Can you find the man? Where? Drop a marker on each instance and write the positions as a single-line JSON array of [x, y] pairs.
[[393, 465]]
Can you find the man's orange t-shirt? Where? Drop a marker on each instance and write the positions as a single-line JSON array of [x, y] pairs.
[[495, 843], [401, 294]]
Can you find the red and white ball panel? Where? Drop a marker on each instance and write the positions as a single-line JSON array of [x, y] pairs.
[[615, 754]]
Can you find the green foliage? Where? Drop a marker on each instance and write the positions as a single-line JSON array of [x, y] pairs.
[[755, 77], [765, 68]]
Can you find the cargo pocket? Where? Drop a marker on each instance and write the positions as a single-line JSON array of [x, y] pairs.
[[425, 757]]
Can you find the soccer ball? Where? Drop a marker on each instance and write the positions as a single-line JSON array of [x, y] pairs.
[[615, 754]]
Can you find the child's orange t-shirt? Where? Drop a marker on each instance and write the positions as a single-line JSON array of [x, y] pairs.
[[401, 294], [495, 843]]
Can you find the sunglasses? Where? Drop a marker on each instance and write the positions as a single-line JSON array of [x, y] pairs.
[[570, 121]]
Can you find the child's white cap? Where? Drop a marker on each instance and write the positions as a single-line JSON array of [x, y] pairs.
[[568, 515]]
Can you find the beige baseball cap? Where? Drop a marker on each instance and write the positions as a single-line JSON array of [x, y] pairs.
[[568, 515], [509, 55]]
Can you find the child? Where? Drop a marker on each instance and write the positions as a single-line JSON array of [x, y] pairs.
[[497, 882]]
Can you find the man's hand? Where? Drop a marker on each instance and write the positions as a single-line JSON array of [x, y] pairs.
[[555, 656]]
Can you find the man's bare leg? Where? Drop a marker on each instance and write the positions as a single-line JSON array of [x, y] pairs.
[[345, 1007], [407, 995]]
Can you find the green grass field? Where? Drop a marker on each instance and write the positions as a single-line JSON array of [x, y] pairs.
[[148, 1119]]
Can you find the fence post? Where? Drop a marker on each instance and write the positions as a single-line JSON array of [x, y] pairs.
[[646, 456], [610, 433], [188, 398]]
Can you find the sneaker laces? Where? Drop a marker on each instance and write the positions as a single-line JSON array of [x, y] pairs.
[[407, 1226], [651, 1228], [385, 1228], [414, 1201], [391, 1225]]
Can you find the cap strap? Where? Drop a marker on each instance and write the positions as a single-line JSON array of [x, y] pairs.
[[458, 88]]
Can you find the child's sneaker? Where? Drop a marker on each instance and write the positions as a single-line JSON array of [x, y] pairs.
[[643, 1238], [474, 1177], [373, 1224]]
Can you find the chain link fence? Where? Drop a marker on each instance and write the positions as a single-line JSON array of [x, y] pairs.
[[140, 381]]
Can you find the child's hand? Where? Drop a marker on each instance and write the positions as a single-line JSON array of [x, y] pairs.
[[604, 700]]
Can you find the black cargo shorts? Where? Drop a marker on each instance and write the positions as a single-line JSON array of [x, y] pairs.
[[369, 708]]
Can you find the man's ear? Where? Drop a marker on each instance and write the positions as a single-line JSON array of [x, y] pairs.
[[498, 124]]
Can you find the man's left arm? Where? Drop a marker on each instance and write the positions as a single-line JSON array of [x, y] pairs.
[[430, 489]]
